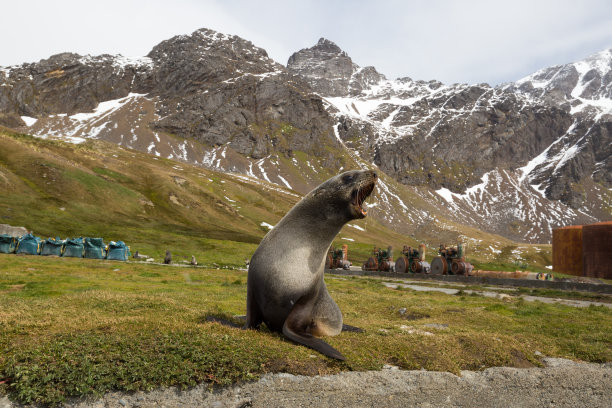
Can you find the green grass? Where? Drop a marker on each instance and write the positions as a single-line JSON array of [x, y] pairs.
[[76, 327]]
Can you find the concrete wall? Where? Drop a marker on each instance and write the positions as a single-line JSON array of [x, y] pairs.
[[12, 231]]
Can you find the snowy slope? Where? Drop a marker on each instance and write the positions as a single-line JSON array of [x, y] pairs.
[[585, 86], [524, 197]]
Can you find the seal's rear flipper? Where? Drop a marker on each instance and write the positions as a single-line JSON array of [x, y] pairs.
[[298, 324], [309, 340], [349, 328]]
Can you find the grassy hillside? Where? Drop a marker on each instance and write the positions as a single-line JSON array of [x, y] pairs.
[[98, 189]]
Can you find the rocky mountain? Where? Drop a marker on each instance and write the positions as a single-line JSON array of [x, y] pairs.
[[514, 160], [517, 159], [207, 98]]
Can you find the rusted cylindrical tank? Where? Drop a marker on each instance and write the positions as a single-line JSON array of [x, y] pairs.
[[460, 267], [567, 250], [504, 274], [597, 249]]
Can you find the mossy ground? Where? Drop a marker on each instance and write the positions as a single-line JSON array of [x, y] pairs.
[[73, 327]]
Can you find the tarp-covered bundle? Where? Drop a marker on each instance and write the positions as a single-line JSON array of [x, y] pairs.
[[73, 247], [28, 244], [95, 248], [8, 243], [52, 246], [118, 251]]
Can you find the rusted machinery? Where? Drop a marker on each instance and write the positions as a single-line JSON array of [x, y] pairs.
[[338, 258], [450, 262], [381, 260], [412, 260]]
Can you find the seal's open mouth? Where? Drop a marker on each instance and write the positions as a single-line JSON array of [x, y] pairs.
[[359, 197]]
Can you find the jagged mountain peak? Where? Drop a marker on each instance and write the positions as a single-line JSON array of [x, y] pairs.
[[205, 41], [600, 62], [330, 71], [328, 48]]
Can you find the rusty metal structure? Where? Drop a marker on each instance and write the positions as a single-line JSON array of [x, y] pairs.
[[567, 250], [381, 260], [583, 250], [412, 260], [451, 262], [337, 258], [596, 250]]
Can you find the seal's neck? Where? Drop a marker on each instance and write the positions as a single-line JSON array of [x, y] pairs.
[[314, 226]]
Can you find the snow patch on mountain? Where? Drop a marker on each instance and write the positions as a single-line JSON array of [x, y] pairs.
[[502, 195], [28, 120], [103, 109], [586, 85]]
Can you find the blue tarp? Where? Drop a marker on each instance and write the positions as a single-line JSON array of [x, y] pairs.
[[95, 248], [8, 243], [52, 246], [118, 251], [73, 247], [28, 244]]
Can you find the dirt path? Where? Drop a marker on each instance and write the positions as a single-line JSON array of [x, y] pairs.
[[562, 383], [496, 293]]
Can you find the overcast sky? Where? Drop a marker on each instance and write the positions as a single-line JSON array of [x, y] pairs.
[[452, 41]]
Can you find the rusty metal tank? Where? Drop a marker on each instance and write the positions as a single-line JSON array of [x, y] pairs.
[[412, 260], [596, 250], [567, 250], [451, 262], [380, 260], [337, 258]]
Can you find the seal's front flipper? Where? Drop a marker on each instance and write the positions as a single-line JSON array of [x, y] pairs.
[[349, 328], [311, 341]]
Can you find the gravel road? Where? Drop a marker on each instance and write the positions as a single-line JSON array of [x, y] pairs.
[[561, 383]]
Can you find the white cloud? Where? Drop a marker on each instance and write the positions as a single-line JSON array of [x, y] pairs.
[[452, 41]]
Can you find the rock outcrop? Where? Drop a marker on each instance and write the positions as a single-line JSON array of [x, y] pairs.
[[208, 87]]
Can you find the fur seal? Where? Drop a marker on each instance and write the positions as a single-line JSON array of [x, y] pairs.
[[285, 286]]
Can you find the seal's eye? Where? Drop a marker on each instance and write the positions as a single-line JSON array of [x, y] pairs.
[[348, 178]]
